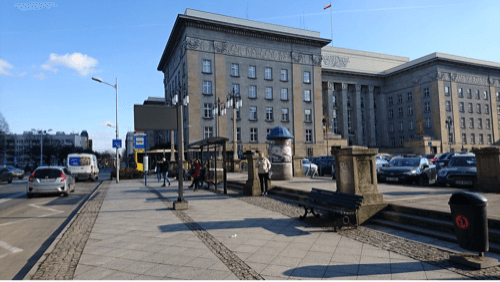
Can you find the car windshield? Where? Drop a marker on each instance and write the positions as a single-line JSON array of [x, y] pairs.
[[405, 162], [47, 173], [462, 161]]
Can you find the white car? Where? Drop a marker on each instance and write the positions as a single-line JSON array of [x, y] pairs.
[[309, 167], [83, 166], [50, 179]]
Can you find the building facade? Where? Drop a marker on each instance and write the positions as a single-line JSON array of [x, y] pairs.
[[288, 77]]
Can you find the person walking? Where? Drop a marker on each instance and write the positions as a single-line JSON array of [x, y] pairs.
[[158, 169], [165, 167], [195, 175], [263, 165]]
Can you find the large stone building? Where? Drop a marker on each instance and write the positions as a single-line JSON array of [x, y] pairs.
[[289, 77]]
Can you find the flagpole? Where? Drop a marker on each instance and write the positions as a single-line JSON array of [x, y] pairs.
[[331, 19]]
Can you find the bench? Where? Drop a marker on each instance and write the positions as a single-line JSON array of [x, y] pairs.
[[342, 206]]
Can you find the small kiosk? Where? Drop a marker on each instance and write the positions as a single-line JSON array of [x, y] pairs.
[[280, 153]]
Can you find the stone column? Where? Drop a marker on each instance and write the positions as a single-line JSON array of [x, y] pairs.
[[356, 173], [372, 141], [383, 130], [252, 187], [359, 123], [343, 111], [297, 167], [488, 169]]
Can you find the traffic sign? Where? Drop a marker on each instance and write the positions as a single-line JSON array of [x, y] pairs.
[[117, 143], [139, 142], [429, 144], [15, 159]]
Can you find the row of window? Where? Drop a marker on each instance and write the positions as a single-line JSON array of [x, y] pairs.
[[411, 125], [208, 131], [461, 107], [469, 93], [252, 92], [285, 113], [401, 112], [479, 123], [473, 139], [252, 72]]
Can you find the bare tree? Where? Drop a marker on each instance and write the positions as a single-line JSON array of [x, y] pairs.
[[4, 126]]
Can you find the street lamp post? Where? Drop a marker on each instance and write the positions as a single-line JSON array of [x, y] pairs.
[[218, 111], [449, 124], [180, 102], [234, 101], [117, 132], [41, 132]]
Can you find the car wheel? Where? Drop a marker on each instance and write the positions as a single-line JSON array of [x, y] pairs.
[[29, 195], [421, 181], [21, 177], [65, 194], [9, 181]]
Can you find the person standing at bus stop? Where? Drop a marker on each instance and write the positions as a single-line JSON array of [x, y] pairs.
[[165, 167], [263, 165], [158, 169]]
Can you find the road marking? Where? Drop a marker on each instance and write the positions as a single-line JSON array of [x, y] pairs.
[[12, 196], [35, 206], [9, 248]]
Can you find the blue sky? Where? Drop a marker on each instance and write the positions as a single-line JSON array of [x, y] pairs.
[[48, 54]]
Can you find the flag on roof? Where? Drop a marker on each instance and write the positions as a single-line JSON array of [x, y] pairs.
[[327, 6]]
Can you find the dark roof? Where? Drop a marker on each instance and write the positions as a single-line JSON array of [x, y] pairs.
[[279, 132], [208, 141]]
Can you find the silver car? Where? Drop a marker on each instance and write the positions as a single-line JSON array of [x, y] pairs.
[[50, 180]]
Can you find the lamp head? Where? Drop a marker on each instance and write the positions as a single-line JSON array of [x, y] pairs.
[[97, 79]]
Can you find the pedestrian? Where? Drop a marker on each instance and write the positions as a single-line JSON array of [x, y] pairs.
[[165, 167], [196, 173], [198, 180], [158, 169], [263, 165]]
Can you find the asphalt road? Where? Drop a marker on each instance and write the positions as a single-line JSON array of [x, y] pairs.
[[29, 226]]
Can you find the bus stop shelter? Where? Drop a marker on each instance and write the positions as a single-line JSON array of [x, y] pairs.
[[213, 144]]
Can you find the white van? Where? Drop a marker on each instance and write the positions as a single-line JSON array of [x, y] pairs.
[[83, 166]]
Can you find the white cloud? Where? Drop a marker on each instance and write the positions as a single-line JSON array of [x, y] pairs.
[[40, 76], [83, 64], [23, 74], [5, 65]]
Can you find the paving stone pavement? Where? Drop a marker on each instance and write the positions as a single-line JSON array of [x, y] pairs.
[[137, 235]]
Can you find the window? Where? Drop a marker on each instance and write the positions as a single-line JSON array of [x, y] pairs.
[[428, 122], [461, 107], [235, 70], [238, 134], [391, 127], [481, 140], [308, 135], [207, 66], [400, 98], [462, 122], [349, 122], [390, 101], [447, 91], [464, 138], [268, 130], [284, 75], [252, 91], [284, 114], [268, 73], [253, 135], [269, 114], [479, 123], [334, 100], [460, 93], [488, 123], [401, 127], [485, 95], [469, 94], [477, 95], [426, 93], [207, 87], [498, 96], [489, 138], [401, 141], [472, 139], [307, 95], [400, 112], [362, 102], [251, 72], [348, 101], [470, 108], [498, 109], [471, 123], [236, 89], [498, 124], [307, 77], [391, 113], [208, 131], [269, 93], [335, 124], [307, 115], [393, 141], [448, 106], [486, 109], [284, 94], [410, 125], [208, 110], [410, 96], [253, 113], [478, 108], [238, 113], [427, 107]]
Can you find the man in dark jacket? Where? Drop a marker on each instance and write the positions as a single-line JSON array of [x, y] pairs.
[[165, 167]]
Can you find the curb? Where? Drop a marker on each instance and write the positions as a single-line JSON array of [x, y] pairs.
[[44, 256]]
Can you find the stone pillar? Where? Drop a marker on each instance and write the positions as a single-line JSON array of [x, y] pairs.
[[372, 141], [252, 187], [383, 130], [488, 169], [356, 173], [343, 111], [172, 147], [359, 123], [297, 167]]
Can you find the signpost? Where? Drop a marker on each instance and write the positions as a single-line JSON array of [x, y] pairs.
[[117, 143]]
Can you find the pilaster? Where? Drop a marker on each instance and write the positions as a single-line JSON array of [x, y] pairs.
[[318, 102], [220, 89], [298, 111], [455, 115], [193, 88], [358, 122], [343, 111], [372, 141], [494, 115], [438, 110]]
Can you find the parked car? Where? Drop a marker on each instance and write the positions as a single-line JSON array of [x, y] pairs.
[[460, 171], [409, 170], [432, 157], [443, 160], [84, 166], [307, 165], [5, 175], [380, 161], [16, 172], [325, 164], [50, 180]]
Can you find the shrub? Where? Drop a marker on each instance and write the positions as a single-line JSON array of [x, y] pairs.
[[128, 173]]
